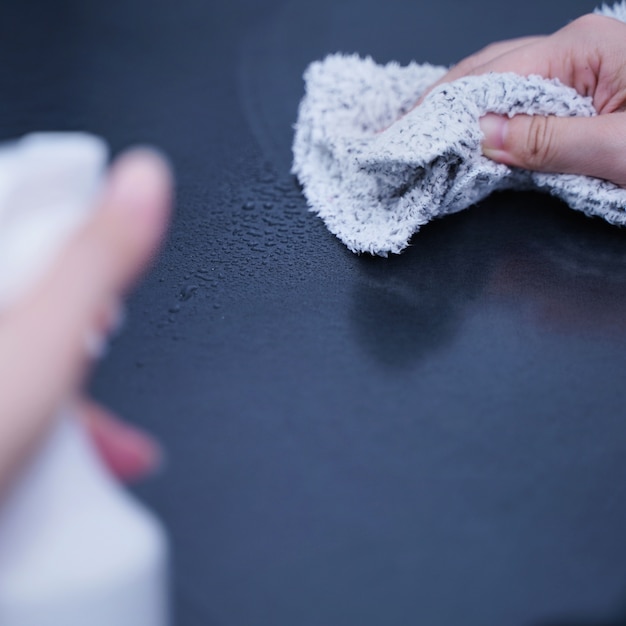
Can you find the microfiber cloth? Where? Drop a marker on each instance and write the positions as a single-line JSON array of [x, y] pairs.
[[376, 169]]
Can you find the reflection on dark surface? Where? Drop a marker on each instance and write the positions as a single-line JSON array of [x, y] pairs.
[[405, 307], [573, 272], [522, 249]]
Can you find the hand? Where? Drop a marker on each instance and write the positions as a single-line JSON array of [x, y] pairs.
[[589, 55], [43, 347]]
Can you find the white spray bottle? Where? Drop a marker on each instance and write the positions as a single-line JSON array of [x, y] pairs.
[[75, 548]]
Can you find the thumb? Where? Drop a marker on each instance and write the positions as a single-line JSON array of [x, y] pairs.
[[593, 146], [44, 352]]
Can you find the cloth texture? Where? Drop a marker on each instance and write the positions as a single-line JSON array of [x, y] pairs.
[[376, 169]]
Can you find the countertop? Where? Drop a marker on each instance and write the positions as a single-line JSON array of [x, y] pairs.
[[436, 438]]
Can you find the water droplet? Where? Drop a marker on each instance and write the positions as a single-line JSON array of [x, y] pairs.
[[187, 292]]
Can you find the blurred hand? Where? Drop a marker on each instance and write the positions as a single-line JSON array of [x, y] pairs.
[[589, 55], [44, 354]]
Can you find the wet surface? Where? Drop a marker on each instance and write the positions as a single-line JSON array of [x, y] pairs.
[[436, 438]]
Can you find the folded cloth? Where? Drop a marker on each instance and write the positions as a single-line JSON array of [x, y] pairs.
[[376, 169]]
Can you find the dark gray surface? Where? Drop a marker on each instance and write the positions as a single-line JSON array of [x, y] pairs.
[[433, 439]]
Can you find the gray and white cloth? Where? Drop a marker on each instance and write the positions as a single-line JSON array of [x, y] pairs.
[[375, 169]]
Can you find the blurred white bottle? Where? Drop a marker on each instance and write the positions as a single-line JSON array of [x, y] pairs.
[[75, 548]]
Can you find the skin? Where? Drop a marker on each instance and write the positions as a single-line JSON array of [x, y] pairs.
[[44, 358], [589, 55]]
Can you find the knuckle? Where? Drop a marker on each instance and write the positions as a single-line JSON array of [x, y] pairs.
[[478, 58], [466, 65], [589, 20], [586, 25], [539, 146], [493, 48]]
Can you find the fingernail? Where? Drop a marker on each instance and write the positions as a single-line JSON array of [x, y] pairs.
[[137, 180], [141, 456], [494, 129], [136, 454]]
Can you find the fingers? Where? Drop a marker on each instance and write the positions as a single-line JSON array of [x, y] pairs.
[[471, 64], [493, 51], [593, 146], [133, 217], [127, 451], [587, 55], [43, 337]]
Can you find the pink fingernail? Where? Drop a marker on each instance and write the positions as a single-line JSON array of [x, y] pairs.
[[135, 454], [494, 129], [138, 180]]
